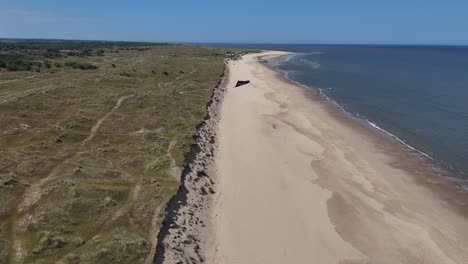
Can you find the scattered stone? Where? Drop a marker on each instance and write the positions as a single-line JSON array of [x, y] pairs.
[[201, 173], [24, 126], [77, 241], [12, 181], [109, 202]]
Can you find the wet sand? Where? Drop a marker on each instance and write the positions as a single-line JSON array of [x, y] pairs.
[[299, 182]]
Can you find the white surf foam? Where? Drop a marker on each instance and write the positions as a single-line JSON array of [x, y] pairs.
[[358, 117]]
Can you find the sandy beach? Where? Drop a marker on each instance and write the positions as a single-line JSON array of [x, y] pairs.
[[299, 182]]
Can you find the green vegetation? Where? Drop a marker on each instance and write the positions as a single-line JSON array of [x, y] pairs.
[[88, 159], [82, 66], [16, 62], [124, 74], [47, 65], [29, 63], [86, 46]]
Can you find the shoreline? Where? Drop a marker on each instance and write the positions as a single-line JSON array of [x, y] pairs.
[[355, 178], [434, 163], [434, 169]]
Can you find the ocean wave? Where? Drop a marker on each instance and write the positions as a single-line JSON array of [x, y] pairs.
[[314, 64], [436, 164], [298, 55], [296, 58], [372, 124], [291, 56], [282, 60], [274, 63], [463, 183], [315, 53], [398, 139], [356, 115]]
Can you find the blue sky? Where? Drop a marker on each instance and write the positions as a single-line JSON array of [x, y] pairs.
[[244, 21]]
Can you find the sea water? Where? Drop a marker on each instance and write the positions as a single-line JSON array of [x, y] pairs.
[[419, 94]]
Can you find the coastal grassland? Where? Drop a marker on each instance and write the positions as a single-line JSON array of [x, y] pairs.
[[89, 157]]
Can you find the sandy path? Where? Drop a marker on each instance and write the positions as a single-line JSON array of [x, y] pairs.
[[300, 183], [19, 79], [98, 124], [32, 194]]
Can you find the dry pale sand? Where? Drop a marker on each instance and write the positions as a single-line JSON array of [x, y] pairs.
[[301, 183]]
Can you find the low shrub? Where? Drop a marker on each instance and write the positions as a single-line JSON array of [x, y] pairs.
[[14, 62], [19, 65], [124, 74], [84, 66]]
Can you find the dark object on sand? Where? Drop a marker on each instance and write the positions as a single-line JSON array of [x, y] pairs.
[[240, 83]]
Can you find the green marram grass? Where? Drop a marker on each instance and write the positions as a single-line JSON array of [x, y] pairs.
[[89, 156]]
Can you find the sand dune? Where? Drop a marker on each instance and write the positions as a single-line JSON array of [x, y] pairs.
[[301, 183]]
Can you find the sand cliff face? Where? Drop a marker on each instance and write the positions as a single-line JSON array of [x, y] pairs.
[[280, 176], [187, 232]]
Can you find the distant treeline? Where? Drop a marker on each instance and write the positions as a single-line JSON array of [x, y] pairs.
[[13, 62], [53, 46], [17, 62], [22, 55]]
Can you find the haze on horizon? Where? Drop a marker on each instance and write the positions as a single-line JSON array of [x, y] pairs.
[[294, 21]]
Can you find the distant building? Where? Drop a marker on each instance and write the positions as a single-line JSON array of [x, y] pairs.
[[69, 52]]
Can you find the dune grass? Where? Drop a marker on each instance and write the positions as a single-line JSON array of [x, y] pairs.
[[89, 158]]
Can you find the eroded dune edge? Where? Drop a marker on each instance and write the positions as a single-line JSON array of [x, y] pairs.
[[290, 179]]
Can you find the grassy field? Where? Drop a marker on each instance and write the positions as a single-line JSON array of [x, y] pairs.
[[89, 157]]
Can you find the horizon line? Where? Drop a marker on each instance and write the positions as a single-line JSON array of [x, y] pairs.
[[237, 43]]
